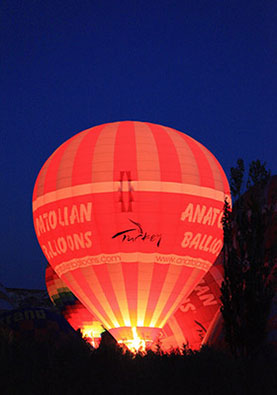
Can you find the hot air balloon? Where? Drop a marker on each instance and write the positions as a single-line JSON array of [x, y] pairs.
[[72, 309], [193, 324], [128, 214], [194, 321]]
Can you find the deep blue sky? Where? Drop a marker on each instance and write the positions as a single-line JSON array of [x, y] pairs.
[[205, 67]]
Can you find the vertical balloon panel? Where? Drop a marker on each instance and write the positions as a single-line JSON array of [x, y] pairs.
[[71, 308], [194, 322], [129, 216]]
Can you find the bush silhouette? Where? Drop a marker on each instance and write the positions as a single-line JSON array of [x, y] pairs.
[[68, 365]]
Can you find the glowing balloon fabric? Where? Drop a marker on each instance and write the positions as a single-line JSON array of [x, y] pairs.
[[198, 315], [129, 216], [192, 324], [71, 308]]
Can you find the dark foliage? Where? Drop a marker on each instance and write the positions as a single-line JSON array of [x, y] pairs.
[[68, 365], [249, 260]]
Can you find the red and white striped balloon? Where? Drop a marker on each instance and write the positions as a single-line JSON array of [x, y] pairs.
[[197, 317], [71, 308], [129, 216]]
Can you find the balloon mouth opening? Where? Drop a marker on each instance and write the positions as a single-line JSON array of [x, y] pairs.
[[136, 339]]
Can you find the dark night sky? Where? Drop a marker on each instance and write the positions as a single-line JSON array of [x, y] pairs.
[[205, 67]]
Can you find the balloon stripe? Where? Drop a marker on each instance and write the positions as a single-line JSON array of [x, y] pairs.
[[166, 330], [116, 274], [168, 285], [206, 175], [189, 285], [124, 172], [169, 163], [148, 164], [64, 171], [87, 297], [145, 273], [158, 277], [39, 186], [202, 306], [102, 160], [103, 277], [95, 286], [189, 174], [102, 166], [184, 275], [224, 180], [215, 167], [125, 156], [81, 173], [70, 307], [50, 181], [130, 274], [188, 164], [179, 335]]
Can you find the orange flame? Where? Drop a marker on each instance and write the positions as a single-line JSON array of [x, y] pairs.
[[136, 344]]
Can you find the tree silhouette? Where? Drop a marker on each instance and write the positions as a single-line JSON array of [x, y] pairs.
[[248, 286]]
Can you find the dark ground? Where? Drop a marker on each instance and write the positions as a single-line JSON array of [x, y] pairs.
[[65, 364]]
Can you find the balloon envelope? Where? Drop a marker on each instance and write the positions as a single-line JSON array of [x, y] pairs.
[[71, 308], [194, 322], [129, 216]]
